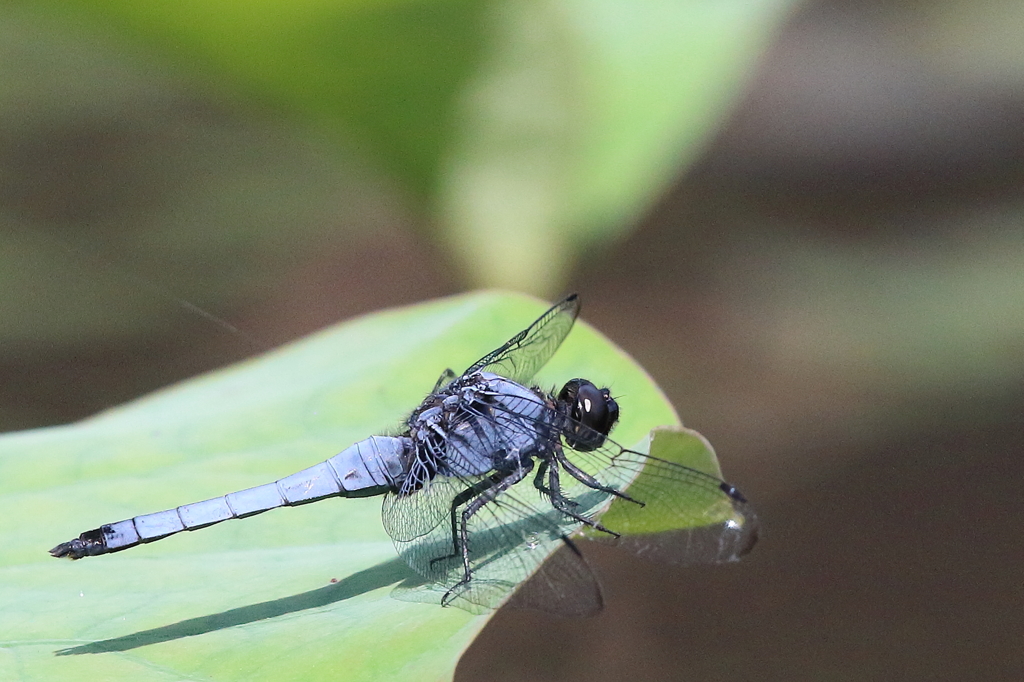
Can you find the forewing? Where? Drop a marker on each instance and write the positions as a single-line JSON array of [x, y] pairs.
[[675, 514], [679, 515], [529, 350]]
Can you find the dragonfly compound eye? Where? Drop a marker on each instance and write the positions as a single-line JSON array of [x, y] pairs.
[[593, 412]]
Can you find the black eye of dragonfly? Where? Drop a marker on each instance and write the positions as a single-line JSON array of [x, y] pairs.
[[593, 412]]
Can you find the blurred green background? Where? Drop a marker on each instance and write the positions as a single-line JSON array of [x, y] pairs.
[[804, 219]]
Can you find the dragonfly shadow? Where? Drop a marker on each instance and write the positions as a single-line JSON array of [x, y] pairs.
[[381, 575]]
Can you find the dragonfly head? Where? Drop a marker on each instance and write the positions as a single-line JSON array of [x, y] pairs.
[[592, 411]]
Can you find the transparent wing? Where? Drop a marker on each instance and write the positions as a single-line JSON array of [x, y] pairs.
[[529, 350], [511, 542], [408, 516], [677, 515], [673, 513]]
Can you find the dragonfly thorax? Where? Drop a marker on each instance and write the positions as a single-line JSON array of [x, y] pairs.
[[478, 424]]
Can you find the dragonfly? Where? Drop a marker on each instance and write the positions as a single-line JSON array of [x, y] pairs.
[[490, 482]]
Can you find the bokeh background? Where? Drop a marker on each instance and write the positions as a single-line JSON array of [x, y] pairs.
[[806, 220]]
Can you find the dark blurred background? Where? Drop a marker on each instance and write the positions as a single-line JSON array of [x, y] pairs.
[[825, 278]]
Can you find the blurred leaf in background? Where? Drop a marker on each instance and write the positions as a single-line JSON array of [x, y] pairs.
[[529, 131], [166, 164], [122, 190], [580, 116]]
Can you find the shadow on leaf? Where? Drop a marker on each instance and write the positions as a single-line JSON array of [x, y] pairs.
[[381, 575]]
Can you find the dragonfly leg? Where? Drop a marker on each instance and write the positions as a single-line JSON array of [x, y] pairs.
[[538, 483], [563, 503], [497, 484], [459, 500], [588, 480]]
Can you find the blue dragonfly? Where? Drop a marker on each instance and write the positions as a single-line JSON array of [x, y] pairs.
[[488, 484]]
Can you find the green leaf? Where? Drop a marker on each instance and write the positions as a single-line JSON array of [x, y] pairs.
[[537, 129], [255, 600], [380, 77], [581, 115]]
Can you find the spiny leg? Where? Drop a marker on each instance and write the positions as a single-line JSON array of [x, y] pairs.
[[459, 500], [497, 484], [588, 480], [563, 503], [465, 496], [538, 480]]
